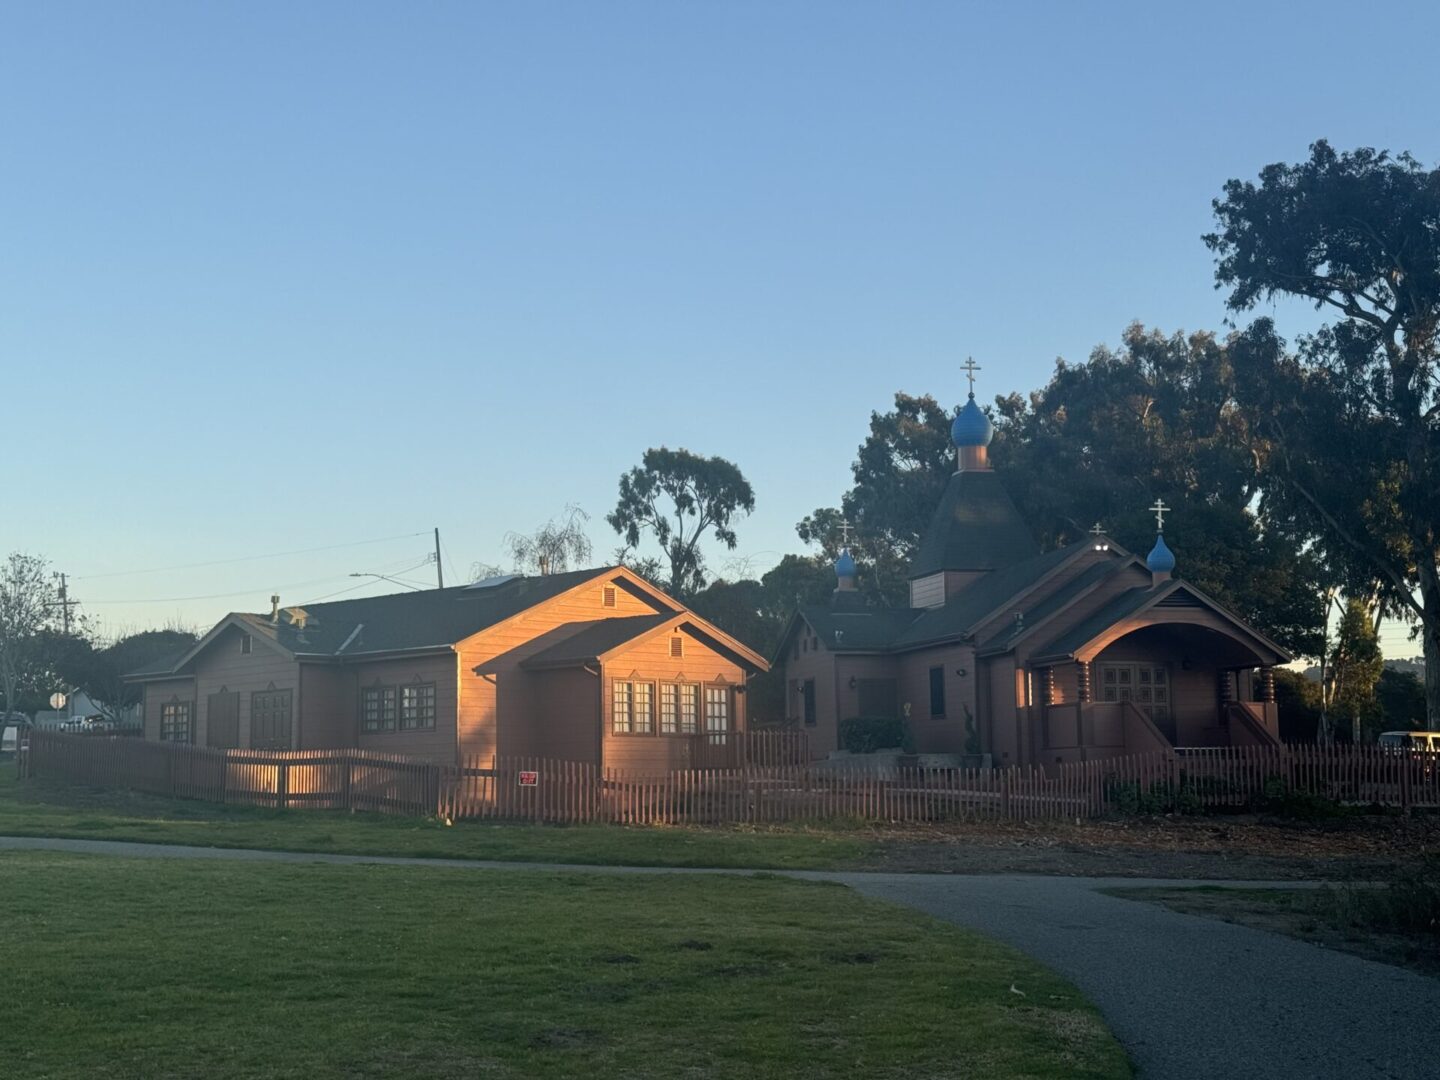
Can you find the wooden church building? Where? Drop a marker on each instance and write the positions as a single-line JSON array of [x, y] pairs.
[[1029, 657]]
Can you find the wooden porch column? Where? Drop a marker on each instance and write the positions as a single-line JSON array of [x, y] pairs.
[[1267, 685], [1225, 687], [1047, 686], [1082, 680]]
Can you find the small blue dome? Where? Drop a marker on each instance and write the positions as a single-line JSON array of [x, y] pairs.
[[845, 564], [1161, 559], [971, 427]]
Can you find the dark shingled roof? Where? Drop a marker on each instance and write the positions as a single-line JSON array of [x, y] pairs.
[[871, 630], [163, 666], [430, 618], [1124, 605], [976, 527], [963, 610], [1057, 600], [593, 640]]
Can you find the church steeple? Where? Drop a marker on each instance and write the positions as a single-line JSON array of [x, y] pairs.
[[976, 527], [1161, 559], [971, 430]]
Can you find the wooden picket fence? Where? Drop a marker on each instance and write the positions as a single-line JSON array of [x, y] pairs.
[[545, 790]]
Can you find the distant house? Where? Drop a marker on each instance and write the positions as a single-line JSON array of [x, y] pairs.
[[593, 665], [1029, 657]]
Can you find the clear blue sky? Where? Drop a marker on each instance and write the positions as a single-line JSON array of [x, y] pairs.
[[281, 276]]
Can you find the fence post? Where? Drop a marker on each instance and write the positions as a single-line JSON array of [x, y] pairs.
[[1405, 764], [1005, 794], [282, 785]]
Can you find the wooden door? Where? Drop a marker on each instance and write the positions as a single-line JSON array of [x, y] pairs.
[[222, 719], [270, 719]]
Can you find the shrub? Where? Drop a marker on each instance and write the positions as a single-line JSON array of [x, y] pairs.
[[866, 734]]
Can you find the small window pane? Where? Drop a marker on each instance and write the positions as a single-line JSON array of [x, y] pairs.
[[620, 711], [669, 709], [689, 709], [644, 709], [417, 706]]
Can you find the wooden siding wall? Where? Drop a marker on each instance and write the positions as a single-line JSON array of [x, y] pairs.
[[157, 693], [223, 666], [815, 663], [945, 735], [437, 744], [497, 703], [650, 661], [567, 715], [331, 711], [860, 667], [928, 591]]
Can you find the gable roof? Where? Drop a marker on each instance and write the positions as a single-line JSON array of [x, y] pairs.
[[396, 622], [593, 642], [975, 527], [1141, 599], [868, 630], [1033, 617]]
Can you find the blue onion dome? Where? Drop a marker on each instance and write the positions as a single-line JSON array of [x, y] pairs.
[[845, 564], [971, 427], [1161, 559]]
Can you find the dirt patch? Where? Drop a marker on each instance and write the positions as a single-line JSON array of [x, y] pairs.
[[1352, 848]]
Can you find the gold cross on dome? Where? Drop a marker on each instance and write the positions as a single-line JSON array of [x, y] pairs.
[[1160, 509], [970, 367]]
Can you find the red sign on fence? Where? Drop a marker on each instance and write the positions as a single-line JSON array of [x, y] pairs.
[[529, 778]]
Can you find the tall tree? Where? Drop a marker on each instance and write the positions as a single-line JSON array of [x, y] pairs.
[[558, 545], [900, 474], [1347, 425], [27, 603], [1103, 439], [1355, 667], [100, 672], [1157, 417], [679, 498]]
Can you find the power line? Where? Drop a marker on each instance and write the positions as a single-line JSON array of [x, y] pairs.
[[245, 558]]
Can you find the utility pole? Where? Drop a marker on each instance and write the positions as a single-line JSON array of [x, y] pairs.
[[439, 569], [65, 604]]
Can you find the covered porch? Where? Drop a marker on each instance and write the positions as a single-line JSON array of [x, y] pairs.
[[1195, 681]]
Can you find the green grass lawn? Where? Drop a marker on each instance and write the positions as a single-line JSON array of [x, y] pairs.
[[44, 808], [157, 968]]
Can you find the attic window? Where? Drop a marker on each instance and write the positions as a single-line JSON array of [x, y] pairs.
[[608, 596], [246, 644], [677, 647]]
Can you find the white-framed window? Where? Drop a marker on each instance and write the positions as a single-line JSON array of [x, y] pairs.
[[689, 709], [622, 702], [669, 709], [175, 722], [644, 708], [717, 713]]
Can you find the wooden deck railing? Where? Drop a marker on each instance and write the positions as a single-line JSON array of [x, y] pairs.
[[540, 789]]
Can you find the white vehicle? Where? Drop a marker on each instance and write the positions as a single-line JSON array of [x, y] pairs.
[[1410, 740]]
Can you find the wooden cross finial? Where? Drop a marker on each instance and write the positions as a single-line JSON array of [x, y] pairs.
[[970, 367], [1097, 529], [1160, 509]]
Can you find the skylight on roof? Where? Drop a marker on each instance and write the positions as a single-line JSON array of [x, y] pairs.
[[492, 582]]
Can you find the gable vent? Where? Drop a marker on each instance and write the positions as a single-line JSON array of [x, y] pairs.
[[1179, 599], [608, 596], [677, 647]]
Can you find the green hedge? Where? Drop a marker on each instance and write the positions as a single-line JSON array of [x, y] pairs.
[[866, 734]]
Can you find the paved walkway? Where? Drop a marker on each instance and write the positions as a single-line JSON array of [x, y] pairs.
[[1188, 997]]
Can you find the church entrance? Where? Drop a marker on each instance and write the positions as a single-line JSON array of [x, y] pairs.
[[1146, 685]]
